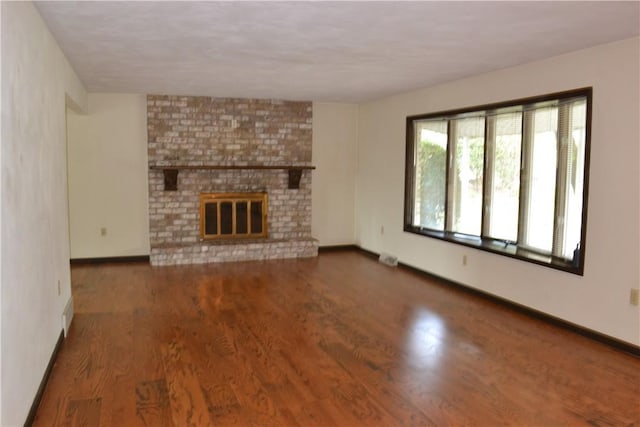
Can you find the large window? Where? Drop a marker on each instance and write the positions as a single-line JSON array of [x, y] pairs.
[[509, 178]]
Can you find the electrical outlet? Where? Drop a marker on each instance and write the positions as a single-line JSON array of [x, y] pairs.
[[59, 289], [464, 259], [634, 296], [103, 231], [382, 229]]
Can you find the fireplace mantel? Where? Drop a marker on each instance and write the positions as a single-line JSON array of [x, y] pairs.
[[171, 172]]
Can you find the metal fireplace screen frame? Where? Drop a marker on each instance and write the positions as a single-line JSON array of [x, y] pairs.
[[233, 216]]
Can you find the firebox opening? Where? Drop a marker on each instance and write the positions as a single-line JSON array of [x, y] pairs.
[[233, 215]]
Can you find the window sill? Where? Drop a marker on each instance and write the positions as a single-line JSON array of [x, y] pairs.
[[499, 247]]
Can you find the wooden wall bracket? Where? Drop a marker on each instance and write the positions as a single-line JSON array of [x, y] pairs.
[[170, 179], [294, 178]]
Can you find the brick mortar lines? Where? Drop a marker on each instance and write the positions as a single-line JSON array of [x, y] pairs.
[[227, 131]]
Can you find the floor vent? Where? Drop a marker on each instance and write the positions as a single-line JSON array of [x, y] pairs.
[[67, 316], [389, 260]]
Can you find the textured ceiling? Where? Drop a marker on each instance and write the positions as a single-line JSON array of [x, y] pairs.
[[322, 51]]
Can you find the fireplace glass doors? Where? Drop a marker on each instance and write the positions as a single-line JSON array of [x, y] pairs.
[[233, 215]]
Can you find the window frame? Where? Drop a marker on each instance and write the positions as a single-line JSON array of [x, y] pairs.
[[497, 246]]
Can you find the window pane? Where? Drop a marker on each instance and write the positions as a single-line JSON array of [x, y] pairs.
[[575, 183], [505, 182], [211, 218], [466, 176], [256, 217], [226, 218], [431, 173], [241, 218], [542, 183]]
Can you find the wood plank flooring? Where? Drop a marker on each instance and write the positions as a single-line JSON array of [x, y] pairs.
[[339, 340]]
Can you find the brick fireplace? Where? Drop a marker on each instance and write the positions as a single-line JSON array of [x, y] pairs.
[[204, 145]]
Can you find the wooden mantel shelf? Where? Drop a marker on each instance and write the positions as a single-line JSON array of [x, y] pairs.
[[171, 172]]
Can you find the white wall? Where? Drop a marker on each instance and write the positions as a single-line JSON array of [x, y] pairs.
[[107, 154], [335, 128], [36, 82], [600, 299]]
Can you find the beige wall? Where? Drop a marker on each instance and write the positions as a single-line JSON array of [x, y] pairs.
[[335, 128], [600, 299], [36, 82], [107, 152]]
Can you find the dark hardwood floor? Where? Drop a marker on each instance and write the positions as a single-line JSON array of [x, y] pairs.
[[338, 340]]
